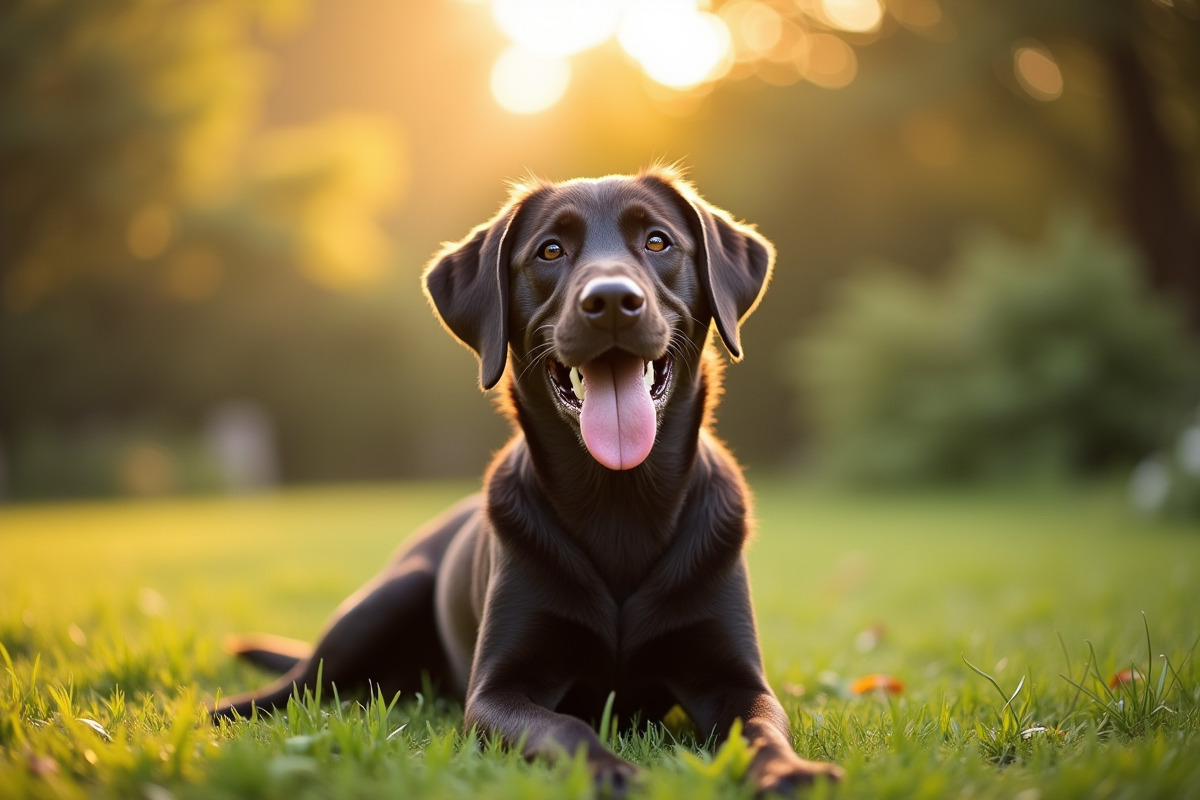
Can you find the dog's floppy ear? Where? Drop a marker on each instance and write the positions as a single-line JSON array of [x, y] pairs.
[[467, 283], [734, 261]]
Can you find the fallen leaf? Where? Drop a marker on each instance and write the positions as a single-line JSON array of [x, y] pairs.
[[1123, 677], [877, 683]]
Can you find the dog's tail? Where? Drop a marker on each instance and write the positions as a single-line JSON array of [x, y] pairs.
[[275, 653]]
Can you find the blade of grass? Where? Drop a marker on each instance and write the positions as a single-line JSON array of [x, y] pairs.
[[606, 717], [1007, 700]]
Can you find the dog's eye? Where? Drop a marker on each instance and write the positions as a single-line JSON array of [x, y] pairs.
[[550, 251], [657, 242]]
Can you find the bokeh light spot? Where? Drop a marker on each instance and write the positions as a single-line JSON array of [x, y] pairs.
[[557, 27], [855, 16], [831, 62], [687, 45], [756, 27], [526, 83], [676, 44], [1037, 72], [150, 231]]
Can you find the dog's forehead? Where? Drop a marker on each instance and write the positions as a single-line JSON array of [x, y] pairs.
[[603, 202]]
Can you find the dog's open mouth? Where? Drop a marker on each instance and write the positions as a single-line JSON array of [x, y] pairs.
[[615, 396]]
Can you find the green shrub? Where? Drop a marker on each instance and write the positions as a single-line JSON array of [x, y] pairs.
[[1027, 362], [108, 458]]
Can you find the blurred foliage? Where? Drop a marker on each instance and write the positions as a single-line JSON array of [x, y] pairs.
[[1027, 362], [162, 253], [211, 202], [107, 459]]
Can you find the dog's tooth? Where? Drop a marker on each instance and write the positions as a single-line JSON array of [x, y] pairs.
[[577, 383], [648, 377]]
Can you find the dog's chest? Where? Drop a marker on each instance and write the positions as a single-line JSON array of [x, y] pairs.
[[648, 701]]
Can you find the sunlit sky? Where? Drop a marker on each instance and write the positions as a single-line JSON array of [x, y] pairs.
[[679, 44], [688, 45]]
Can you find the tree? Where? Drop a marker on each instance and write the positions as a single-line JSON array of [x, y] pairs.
[[158, 252]]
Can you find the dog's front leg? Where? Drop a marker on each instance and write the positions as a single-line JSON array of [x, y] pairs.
[[516, 718], [776, 767]]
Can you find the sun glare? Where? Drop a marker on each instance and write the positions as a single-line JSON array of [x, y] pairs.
[[679, 44], [676, 44], [853, 16], [755, 26], [557, 28], [526, 83]]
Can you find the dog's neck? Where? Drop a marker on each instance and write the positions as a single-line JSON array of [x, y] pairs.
[[623, 520]]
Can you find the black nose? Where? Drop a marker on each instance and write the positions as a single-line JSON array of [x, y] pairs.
[[612, 302]]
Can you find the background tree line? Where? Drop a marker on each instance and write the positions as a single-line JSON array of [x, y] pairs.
[[229, 202]]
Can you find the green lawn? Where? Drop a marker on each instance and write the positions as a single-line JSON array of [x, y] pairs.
[[114, 614]]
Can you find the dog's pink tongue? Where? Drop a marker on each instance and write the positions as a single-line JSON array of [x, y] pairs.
[[618, 414]]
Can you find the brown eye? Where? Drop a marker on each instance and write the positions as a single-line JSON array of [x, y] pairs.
[[656, 243], [551, 251]]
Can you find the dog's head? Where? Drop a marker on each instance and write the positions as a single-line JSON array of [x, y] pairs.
[[608, 283]]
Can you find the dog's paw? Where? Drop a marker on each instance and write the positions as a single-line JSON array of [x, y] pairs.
[[613, 776], [787, 776]]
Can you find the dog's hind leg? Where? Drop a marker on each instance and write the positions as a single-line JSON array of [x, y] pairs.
[[383, 639]]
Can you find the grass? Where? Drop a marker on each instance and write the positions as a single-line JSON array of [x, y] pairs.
[[1004, 616]]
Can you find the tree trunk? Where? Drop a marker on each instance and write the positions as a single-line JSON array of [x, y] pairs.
[[1154, 196]]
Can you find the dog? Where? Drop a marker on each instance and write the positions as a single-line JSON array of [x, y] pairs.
[[605, 551]]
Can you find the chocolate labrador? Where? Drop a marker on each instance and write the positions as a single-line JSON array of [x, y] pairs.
[[605, 552]]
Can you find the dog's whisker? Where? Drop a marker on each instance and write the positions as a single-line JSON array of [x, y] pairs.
[[546, 345], [521, 376], [536, 356], [681, 344], [686, 343], [539, 352]]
